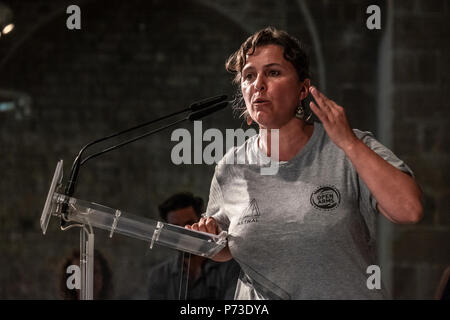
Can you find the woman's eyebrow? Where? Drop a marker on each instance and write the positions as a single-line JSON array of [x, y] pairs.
[[247, 67], [265, 66], [273, 65]]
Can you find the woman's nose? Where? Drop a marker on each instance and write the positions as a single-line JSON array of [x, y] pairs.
[[260, 83]]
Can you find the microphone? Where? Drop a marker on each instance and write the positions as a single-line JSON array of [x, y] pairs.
[[199, 105], [205, 112], [192, 117], [206, 103], [198, 110]]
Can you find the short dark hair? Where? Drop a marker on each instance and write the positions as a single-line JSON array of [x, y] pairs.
[[179, 201], [294, 52]]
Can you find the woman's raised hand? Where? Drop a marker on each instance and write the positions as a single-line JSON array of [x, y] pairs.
[[333, 119]]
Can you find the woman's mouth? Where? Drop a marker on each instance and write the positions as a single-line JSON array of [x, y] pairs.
[[260, 102]]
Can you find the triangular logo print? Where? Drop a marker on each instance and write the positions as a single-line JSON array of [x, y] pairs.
[[250, 214]]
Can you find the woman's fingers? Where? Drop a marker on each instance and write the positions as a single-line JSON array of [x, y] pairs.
[[202, 225], [319, 96], [212, 226], [321, 109], [208, 225], [325, 109], [319, 113], [333, 119]]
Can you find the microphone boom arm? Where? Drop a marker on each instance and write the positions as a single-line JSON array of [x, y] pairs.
[[196, 108]]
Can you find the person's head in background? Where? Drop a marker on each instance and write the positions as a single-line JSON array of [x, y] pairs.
[[181, 209], [103, 287]]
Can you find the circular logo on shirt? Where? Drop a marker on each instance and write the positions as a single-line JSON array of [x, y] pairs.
[[326, 198]]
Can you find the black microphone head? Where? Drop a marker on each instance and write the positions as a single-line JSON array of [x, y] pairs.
[[204, 112], [207, 102]]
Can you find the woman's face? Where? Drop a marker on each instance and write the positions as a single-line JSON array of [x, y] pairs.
[[271, 87]]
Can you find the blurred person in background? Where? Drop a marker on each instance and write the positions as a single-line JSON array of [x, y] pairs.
[[206, 279]]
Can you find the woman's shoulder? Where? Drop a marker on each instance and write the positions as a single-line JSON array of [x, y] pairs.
[[363, 134], [369, 139]]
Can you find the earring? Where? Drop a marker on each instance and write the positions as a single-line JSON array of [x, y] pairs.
[[300, 112]]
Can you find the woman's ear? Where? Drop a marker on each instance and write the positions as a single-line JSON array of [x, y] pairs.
[[305, 89]]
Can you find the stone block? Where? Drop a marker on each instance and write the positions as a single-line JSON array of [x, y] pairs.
[[405, 284], [443, 208], [422, 245]]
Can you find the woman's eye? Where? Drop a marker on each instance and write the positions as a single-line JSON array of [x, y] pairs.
[[248, 76], [274, 73]]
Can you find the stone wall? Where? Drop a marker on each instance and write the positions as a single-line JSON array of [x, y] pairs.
[[420, 100]]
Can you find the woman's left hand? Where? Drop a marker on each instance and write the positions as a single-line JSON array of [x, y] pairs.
[[333, 119]]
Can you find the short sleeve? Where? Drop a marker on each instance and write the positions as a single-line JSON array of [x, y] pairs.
[[215, 208], [367, 201]]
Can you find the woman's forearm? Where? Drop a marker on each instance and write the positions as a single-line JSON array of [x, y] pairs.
[[223, 255], [398, 195]]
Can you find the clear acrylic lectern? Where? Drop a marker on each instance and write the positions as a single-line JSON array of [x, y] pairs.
[[88, 215]]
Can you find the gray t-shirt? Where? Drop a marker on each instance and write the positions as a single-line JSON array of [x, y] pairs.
[[307, 232]]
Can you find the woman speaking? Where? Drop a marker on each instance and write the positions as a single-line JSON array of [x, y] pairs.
[[307, 231]]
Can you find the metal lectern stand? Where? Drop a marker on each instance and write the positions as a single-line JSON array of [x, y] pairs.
[[88, 215], [87, 264]]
